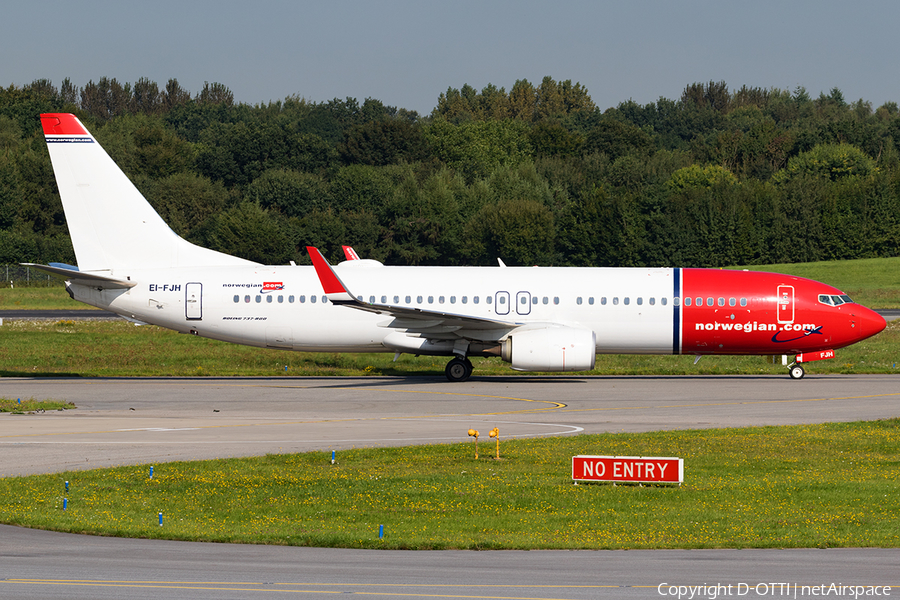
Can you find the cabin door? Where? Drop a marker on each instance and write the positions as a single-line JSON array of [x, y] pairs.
[[193, 301], [785, 304]]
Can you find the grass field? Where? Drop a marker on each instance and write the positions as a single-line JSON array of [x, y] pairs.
[[831, 485], [88, 348], [872, 282]]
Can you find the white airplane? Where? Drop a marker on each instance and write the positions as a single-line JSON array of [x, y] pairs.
[[536, 318]]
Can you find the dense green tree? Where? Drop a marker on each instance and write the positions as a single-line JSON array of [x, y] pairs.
[[386, 142], [292, 193], [476, 148], [520, 232], [184, 200], [828, 161], [247, 231]]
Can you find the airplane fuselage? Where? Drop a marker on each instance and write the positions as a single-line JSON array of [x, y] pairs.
[[630, 310]]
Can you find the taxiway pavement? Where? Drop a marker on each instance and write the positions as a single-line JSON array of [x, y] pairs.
[[152, 420]]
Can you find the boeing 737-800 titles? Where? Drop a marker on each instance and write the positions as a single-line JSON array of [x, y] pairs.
[[536, 318]]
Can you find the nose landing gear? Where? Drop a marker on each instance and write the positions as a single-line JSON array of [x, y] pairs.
[[796, 371], [458, 369]]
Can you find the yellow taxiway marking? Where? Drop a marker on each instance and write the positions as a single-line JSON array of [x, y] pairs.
[[736, 403], [281, 587]]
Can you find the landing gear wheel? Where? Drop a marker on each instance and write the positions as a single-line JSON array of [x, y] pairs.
[[797, 372], [458, 369]]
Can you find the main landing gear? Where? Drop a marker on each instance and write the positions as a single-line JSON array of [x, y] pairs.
[[458, 369]]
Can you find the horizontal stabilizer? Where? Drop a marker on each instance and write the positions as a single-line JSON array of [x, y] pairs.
[[77, 277]]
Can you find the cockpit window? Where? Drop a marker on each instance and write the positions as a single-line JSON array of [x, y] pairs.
[[834, 300]]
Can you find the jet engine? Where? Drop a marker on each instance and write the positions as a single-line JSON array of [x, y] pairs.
[[550, 349]]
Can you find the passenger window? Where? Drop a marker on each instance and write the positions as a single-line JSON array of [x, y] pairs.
[[502, 300], [384, 299], [555, 299], [418, 299], [488, 299], [269, 299], [324, 299], [534, 300], [302, 299], [591, 300], [603, 301], [652, 301], [475, 299], [430, 299], [371, 299], [290, 299], [237, 298], [615, 301], [408, 299], [396, 299], [700, 301], [359, 298], [465, 299], [721, 301], [687, 301], [640, 301], [258, 299], [545, 300], [312, 299], [280, 299], [626, 301], [743, 302], [578, 300], [246, 298], [452, 299], [710, 301], [676, 301]]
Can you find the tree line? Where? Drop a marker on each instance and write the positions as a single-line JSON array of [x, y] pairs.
[[538, 175]]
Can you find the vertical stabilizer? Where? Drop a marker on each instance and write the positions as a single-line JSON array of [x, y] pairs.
[[111, 224]]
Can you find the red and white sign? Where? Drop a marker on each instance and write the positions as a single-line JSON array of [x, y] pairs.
[[272, 286], [628, 469]]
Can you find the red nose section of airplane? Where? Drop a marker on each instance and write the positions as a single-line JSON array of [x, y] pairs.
[[868, 322]]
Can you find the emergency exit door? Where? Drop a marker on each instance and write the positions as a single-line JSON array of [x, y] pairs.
[[193, 301]]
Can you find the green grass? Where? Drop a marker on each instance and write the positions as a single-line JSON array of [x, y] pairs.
[[18, 406], [873, 282], [117, 348], [831, 485], [39, 298]]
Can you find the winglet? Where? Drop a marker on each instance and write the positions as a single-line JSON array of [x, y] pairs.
[[350, 253], [333, 287]]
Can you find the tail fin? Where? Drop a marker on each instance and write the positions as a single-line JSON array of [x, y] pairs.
[[111, 224]]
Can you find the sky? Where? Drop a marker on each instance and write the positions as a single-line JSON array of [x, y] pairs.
[[406, 53]]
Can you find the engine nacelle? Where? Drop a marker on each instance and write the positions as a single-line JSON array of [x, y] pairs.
[[551, 349]]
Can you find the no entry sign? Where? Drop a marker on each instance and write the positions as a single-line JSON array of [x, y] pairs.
[[628, 469]]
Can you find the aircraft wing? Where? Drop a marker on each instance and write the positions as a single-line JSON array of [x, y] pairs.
[[74, 276], [429, 323]]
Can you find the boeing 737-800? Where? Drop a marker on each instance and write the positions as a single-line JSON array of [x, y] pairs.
[[536, 318]]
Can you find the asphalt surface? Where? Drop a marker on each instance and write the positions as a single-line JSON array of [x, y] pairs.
[[143, 420], [128, 421]]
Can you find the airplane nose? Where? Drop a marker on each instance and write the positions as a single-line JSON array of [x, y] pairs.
[[868, 322]]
